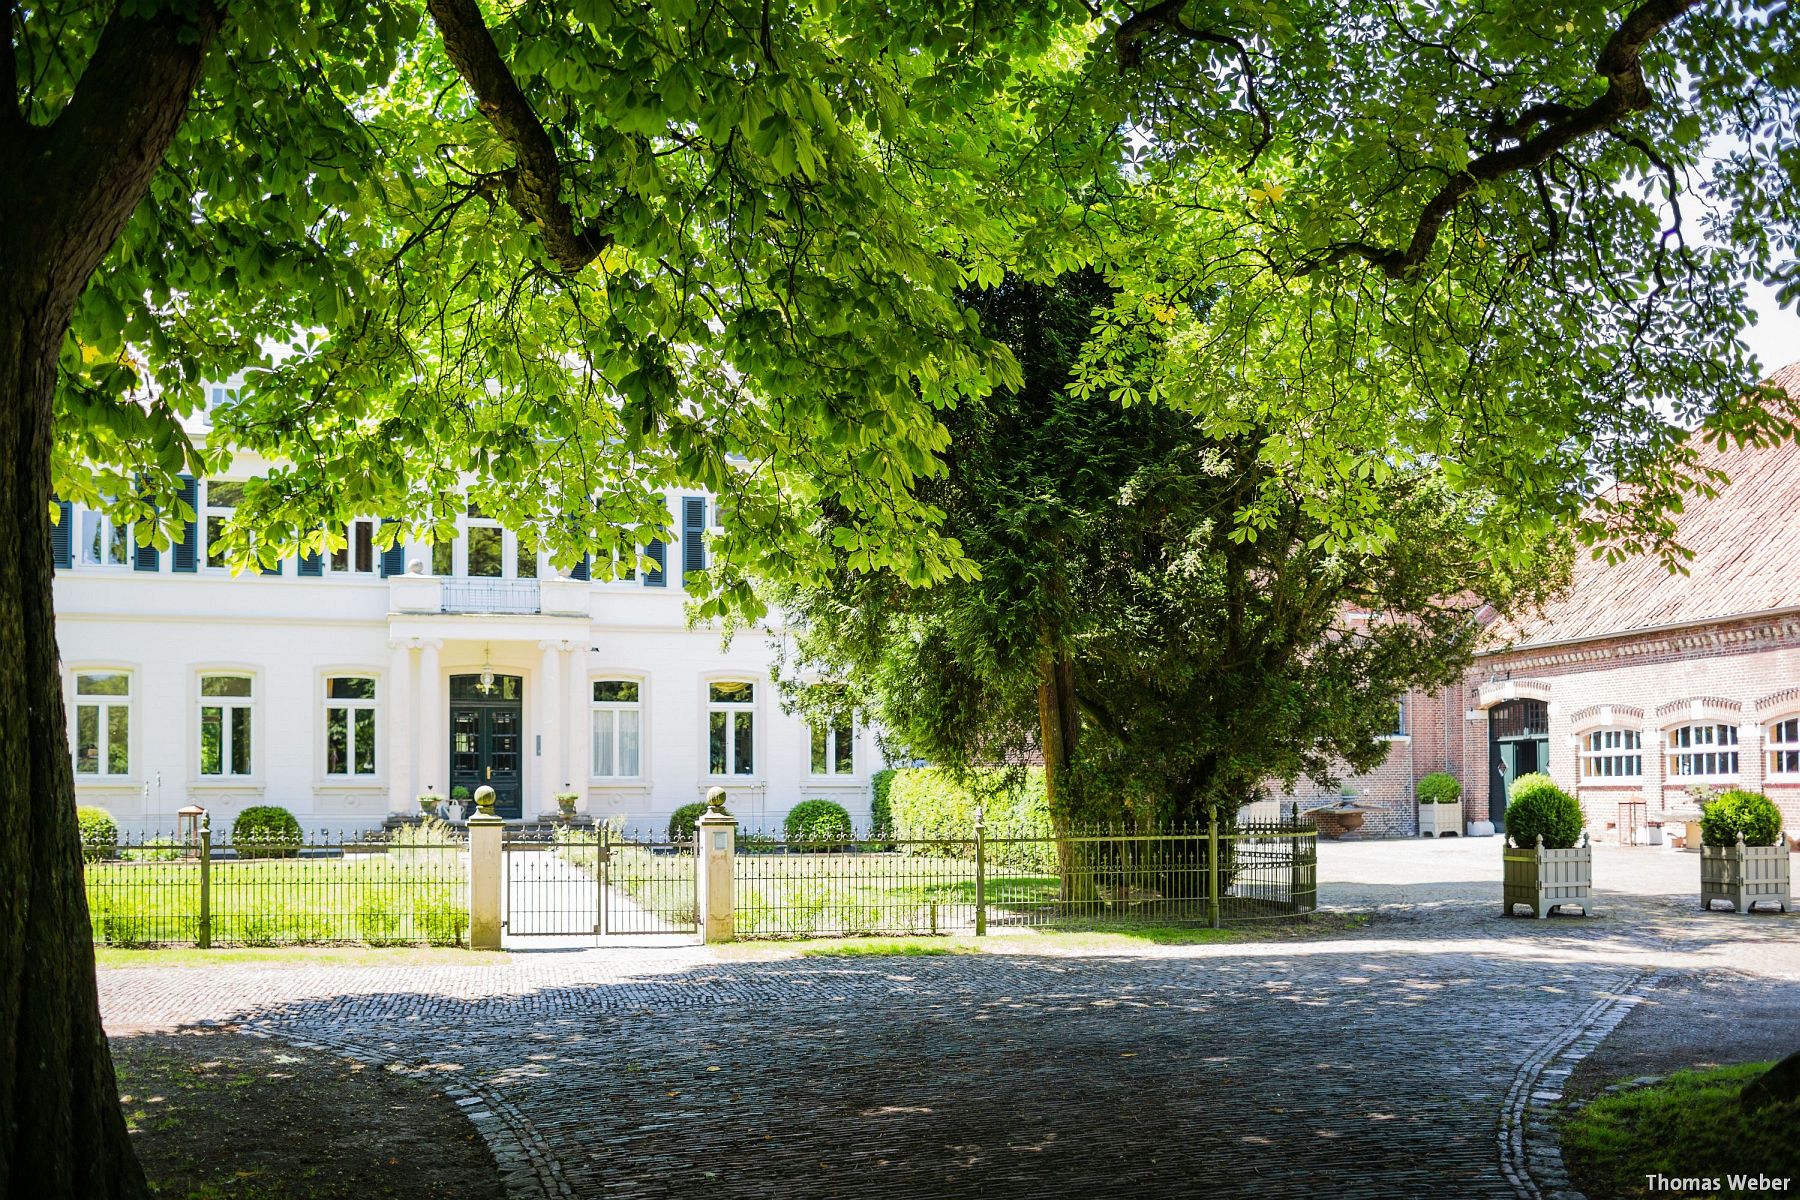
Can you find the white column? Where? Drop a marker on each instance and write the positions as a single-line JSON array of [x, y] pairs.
[[433, 718], [550, 722], [578, 724], [398, 712]]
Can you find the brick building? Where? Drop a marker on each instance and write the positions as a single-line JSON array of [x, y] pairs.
[[1638, 684]]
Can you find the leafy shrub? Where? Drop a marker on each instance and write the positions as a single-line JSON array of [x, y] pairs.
[[817, 821], [443, 921], [881, 812], [99, 832], [265, 831], [377, 922], [1538, 806], [1438, 788], [928, 802], [682, 822], [460, 792], [1750, 813]]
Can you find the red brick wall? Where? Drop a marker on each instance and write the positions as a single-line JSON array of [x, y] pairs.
[[1734, 668]]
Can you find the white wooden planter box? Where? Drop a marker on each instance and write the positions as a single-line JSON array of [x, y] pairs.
[[1441, 820], [1547, 879], [1746, 876]]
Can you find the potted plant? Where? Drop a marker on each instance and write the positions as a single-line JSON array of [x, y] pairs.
[[1548, 860], [1743, 857], [428, 803], [565, 803], [1440, 805]]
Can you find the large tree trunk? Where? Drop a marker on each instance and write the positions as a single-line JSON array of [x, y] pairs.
[[1059, 730], [66, 194]]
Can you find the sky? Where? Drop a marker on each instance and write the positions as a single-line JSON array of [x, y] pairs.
[[1776, 335]]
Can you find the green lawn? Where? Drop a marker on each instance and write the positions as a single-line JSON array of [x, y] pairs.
[[405, 895], [1686, 1127]]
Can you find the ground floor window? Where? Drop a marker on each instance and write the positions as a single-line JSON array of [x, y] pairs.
[[1612, 754], [833, 747], [102, 723], [731, 728], [225, 722], [1784, 748], [618, 728], [1703, 752], [349, 725]]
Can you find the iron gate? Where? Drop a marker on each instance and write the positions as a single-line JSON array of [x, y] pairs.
[[572, 881]]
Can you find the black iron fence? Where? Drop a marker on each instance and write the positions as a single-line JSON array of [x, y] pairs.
[[1093, 878], [407, 887]]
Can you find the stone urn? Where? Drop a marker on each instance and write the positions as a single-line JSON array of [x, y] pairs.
[[1333, 821]]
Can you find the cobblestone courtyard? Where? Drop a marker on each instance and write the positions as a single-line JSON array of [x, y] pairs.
[[1402, 1060]]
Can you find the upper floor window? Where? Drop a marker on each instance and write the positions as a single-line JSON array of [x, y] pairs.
[[349, 725], [1703, 752], [225, 721], [357, 554], [1784, 748], [102, 723], [731, 728], [1612, 754], [618, 717], [104, 542], [222, 500], [1399, 729]]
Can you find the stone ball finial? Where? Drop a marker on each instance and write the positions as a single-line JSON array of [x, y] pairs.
[[484, 800], [715, 800]]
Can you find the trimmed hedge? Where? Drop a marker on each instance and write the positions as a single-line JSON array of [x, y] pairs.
[[99, 832], [265, 831], [881, 813], [1750, 813], [1438, 788], [817, 821], [683, 821], [1537, 806]]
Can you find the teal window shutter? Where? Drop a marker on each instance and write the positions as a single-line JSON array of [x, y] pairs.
[[657, 576], [62, 537], [186, 554], [312, 566], [274, 570], [582, 569], [393, 559], [145, 557], [693, 536]]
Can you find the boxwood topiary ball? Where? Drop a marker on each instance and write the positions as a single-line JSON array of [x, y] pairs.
[[682, 822], [1438, 788], [817, 821], [1750, 813], [1537, 807]]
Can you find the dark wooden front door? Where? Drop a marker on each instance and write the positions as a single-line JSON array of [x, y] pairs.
[[487, 739], [1518, 744]]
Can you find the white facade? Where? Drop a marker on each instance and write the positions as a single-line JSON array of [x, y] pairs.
[[341, 683]]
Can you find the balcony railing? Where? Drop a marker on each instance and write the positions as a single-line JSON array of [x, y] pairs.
[[491, 596]]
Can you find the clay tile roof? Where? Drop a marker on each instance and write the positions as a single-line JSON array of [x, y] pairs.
[[1746, 544]]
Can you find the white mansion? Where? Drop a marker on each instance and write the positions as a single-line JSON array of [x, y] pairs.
[[341, 686]]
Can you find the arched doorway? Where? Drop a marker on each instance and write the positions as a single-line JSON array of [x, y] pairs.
[[1518, 744]]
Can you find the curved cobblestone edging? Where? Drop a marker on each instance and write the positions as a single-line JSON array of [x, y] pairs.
[[1530, 1150], [529, 1170]]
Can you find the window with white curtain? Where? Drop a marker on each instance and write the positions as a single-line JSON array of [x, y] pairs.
[[618, 725]]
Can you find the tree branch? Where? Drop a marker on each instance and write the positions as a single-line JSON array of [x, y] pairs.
[[10, 116], [1167, 15], [1620, 63], [534, 186]]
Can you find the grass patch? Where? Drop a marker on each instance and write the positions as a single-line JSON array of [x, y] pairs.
[[1688, 1126], [888, 949], [297, 956]]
